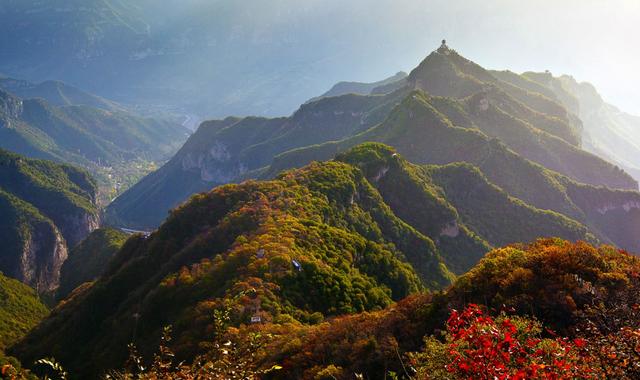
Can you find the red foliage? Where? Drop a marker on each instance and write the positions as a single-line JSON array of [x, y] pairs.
[[481, 347]]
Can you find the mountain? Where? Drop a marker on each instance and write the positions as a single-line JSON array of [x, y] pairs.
[[201, 59], [331, 238], [424, 135], [20, 310], [608, 132], [89, 259], [531, 124], [534, 126], [46, 209], [116, 146], [222, 151], [342, 88], [57, 93], [551, 280]]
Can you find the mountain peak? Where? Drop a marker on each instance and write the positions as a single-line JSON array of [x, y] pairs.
[[443, 47]]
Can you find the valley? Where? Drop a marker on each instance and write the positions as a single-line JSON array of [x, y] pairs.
[[179, 200]]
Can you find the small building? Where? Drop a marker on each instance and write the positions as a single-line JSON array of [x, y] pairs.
[[256, 319]]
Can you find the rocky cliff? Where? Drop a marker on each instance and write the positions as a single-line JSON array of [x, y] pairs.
[[46, 209]]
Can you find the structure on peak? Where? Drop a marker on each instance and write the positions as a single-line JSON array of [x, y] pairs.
[[443, 47]]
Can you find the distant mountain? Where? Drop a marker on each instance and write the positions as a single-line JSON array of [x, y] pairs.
[[424, 135], [342, 236], [608, 132], [116, 146], [342, 88], [222, 151], [46, 209], [189, 57], [20, 310], [89, 259], [523, 141], [57, 93]]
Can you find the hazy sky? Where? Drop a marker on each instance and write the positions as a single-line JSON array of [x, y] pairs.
[[593, 40]]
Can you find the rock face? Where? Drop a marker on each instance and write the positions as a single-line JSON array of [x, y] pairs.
[[78, 226], [45, 209], [42, 258]]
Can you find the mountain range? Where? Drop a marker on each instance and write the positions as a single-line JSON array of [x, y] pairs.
[[331, 238], [379, 231], [57, 93], [116, 146], [527, 143]]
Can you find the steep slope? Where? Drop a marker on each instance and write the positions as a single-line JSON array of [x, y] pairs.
[[316, 241], [425, 136], [34, 248], [444, 72], [331, 238], [20, 310], [608, 131], [116, 146], [525, 120], [542, 147], [522, 114], [555, 281], [226, 150], [46, 208], [89, 259], [456, 206], [360, 88]]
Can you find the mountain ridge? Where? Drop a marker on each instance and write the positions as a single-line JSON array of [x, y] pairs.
[[48, 208]]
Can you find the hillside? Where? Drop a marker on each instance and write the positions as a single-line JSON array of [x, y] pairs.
[[20, 310], [328, 239], [416, 119], [343, 88], [608, 132], [523, 279], [115, 146], [529, 124], [535, 126], [57, 93], [223, 151], [89, 259], [46, 209]]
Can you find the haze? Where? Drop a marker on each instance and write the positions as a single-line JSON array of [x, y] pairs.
[[591, 40]]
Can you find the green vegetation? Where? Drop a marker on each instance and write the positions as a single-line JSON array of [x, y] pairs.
[[465, 108], [316, 242], [550, 309], [424, 135], [224, 151], [329, 239], [20, 311], [528, 289], [46, 207], [116, 146], [89, 259]]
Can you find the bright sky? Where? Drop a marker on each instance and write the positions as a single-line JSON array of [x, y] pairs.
[[593, 40]]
